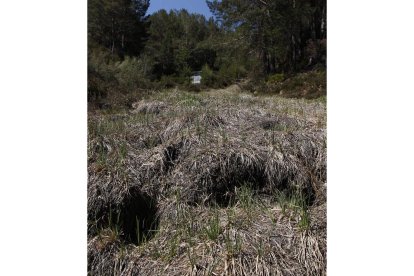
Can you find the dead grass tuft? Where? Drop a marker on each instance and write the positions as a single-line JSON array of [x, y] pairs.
[[148, 107]]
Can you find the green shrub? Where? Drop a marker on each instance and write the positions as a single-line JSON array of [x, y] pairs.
[[207, 76], [229, 74], [101, 72], [185, 74], [309, 85], [113, 83], [167, 81], [131, 74], [276, 78]]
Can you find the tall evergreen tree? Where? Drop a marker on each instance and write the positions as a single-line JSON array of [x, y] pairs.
[[117, 25], [177, 42], [277, 31]]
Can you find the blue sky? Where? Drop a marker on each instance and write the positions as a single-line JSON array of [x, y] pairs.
[[197, 6]]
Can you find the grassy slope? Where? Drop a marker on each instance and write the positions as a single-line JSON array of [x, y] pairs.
[[238, 183]]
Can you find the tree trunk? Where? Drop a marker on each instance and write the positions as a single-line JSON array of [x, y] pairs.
[[113, 37]]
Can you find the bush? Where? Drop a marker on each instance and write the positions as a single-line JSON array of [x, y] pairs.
[[308, 85], [229, 74], [207, 76], [114, 83], [131, 74], [167, 81], [101, 76], [276, 78]]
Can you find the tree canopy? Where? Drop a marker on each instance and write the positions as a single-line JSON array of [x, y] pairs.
[[245, 39], [117, 25], [286, 35]]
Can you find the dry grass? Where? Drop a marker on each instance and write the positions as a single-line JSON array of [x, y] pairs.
[[208, 170]]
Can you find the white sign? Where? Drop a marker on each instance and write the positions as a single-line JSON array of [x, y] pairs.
[[196, 79]]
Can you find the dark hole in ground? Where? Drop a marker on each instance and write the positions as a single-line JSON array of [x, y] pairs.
[[309, 194], [138, 217], [229, 189], [269, 124], [223, 191], [135, 218], [171, 154], [279, 124]]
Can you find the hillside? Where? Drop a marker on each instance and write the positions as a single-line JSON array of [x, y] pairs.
[[212, 183]]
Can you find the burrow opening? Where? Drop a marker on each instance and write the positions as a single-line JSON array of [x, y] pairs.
[[227, 190], [278, 124], [135, 218], [171, 154]]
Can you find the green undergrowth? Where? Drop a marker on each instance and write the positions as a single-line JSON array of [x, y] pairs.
[[309, 85]]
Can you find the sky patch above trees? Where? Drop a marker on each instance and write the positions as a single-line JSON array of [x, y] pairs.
[[193, 6]]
